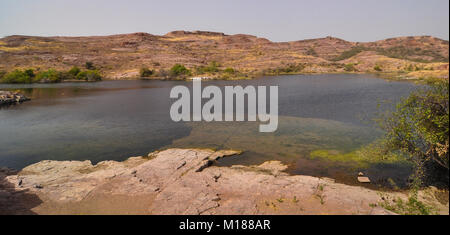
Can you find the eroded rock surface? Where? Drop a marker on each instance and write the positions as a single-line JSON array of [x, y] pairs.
[[178, 181]]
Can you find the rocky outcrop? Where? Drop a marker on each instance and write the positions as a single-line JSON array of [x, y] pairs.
[[8, 98], [179, 181]]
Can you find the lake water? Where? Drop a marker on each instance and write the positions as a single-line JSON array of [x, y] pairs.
[[114, 120]]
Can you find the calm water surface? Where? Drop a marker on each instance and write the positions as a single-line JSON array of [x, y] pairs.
[[114, 120]]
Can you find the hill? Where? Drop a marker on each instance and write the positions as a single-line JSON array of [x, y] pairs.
[[121, 56]]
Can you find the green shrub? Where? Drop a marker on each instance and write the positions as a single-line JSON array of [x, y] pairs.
[[410, 207], [146, 72], [213, 67], [89, 75], [377, 68], [229, 71], [17, 76], [179, 70], [74, 71], [30, 72], [350, 67], [50, 75]]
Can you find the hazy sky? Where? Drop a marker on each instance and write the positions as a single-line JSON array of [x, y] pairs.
[[277, 20]]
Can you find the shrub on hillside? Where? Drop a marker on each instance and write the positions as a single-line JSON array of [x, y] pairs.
[[350, 67], [229, 71], [50, 75], [17, 76], [213, 67], [74, 71], [179, 70], [89, 75], [146, 72]]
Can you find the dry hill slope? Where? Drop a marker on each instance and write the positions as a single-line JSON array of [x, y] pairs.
[[121, 56]]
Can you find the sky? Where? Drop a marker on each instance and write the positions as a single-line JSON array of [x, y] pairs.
[[276, 20]]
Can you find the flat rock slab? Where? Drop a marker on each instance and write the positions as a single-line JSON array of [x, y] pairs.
[[363, 179], [178, 181]]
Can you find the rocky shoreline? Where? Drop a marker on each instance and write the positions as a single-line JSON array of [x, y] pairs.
[[182, 181], [10, 98]]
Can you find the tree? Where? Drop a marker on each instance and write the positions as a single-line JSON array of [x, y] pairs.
[[419, 128]]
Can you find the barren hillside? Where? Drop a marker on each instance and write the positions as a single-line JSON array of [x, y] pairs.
[[121, 56]]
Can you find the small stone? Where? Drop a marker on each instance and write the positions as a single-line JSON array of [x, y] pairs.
[[38, 186], [360, 174], [363, 179]]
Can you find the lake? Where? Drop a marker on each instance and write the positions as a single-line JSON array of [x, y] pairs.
[[114, 120]]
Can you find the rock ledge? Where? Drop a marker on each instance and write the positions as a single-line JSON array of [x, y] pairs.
[[177, 181]]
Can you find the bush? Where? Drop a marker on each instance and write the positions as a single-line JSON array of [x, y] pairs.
[[146, 72], [377, 68], [350, 67], [179, 70], [50, 75], [17, 76], [74, 71], [89, 75], [30, 72], [213, 67], [229, 71]]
